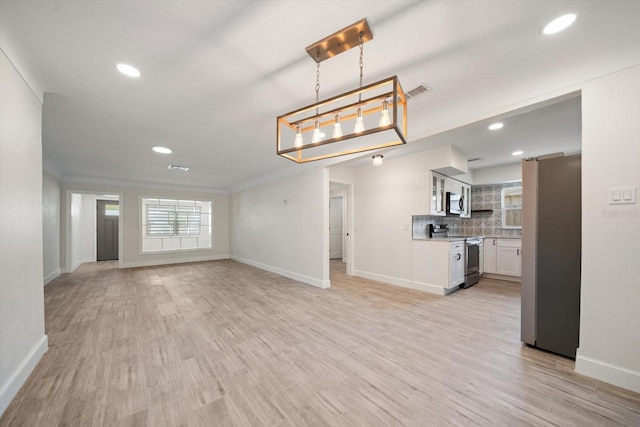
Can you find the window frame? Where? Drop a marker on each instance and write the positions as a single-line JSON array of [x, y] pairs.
[[504, 208], [164, 243]]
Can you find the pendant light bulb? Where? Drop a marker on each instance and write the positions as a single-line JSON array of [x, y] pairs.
[[384, 117], [359, 122], [298, 141], [377, 159], [317, 135], [337, 127]]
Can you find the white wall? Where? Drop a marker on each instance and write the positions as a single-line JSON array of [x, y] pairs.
[[343, 174], [50, 226], [609, 339], [76, 232], [610, 313], [383, 211], [88, 228], [280, 227], [130, 225], [497, 174], [22, 338]]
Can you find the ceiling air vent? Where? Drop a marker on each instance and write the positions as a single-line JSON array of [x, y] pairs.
[[416, 92], [178, 168]]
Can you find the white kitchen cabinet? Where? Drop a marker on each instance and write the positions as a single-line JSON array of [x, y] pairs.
[[508, 257], [490, 248], [449, 186], [431, 199], [436, 267], [456, 276], [437, 186], [502, 256]]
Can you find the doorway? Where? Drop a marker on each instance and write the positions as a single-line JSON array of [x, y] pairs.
[[340, 223], [107, 218], [336, 226]]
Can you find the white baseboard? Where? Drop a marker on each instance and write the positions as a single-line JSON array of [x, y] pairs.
[[608, 373], [49, 277], [12, 386], [433, 289], [324, 284], [74, 266], [152, 262]]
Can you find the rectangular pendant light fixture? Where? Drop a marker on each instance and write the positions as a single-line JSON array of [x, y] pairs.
[[367, 118]]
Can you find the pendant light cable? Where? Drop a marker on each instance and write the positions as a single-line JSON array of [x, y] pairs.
[[317, 135], [359, 127], [361, 65], [318, 78]]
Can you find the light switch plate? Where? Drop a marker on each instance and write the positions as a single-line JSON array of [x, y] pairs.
[[622, 195]]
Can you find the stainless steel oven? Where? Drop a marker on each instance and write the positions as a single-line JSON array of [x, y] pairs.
[[472, 262]]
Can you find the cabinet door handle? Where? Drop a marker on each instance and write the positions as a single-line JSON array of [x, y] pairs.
[[494, 242], [518, 252], [459, 256]]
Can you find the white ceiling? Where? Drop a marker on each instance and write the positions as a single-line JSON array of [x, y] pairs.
[[217, 73]]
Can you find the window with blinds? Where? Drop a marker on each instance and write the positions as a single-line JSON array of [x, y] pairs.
[[169, 221], [175, 225]]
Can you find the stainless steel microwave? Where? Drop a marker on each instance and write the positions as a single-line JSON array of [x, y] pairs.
[[455, 204]]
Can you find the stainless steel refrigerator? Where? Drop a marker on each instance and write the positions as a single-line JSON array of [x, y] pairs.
[[551, 253]]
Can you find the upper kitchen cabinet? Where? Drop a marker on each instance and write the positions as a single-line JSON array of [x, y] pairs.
[[430, 194], [438, 188]]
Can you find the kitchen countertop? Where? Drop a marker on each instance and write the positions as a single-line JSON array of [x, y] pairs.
[[449, 239], [459, 238]]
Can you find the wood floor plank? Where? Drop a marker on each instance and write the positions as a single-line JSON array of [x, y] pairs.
[[222, 343]]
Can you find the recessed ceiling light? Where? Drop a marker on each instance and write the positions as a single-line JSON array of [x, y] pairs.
[[517, 153], [178, 168], [559, 24], [128, 70], [162, 150], [496, 126]]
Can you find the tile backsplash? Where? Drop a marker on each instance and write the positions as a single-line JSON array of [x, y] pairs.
[[480, 223]]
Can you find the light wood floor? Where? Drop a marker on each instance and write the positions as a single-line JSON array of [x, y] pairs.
[[221, 343]]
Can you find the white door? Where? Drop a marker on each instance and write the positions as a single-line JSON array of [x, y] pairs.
[[335, 227]]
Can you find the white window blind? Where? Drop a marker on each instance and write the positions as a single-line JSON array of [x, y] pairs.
[[176, 220], [175, 225]]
